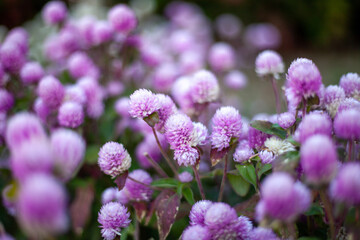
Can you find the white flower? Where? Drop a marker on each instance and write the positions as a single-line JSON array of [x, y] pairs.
[[278, 146]]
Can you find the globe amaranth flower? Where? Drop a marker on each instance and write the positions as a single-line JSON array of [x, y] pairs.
[[185, 177], [54, 12], [351, 84], [31, 72], [143, 103], [11, 57], [41, 206], [122, 18], [347, 124], [221, 57], [332, 98], [198, 211], [282, 198], [261, 233], [226, 126], [348, 103], [102, 32], [228, 26], [167, 108], [23, 127], [51, 91], [303, 78], [6, 100], [190, 62], [181, 92], [318, 159], [34, 156], [113, 194], [205, 87], [114, 159], [223, 223], [346, 186], [68, 149], [136, 191], [181, 41], [314, 123], [71, 114], [243, 152], [196, 232], [164, 76], [74, 93], [81, 65], [20, 37], [122, 107], [286, 120], [256, 138], [274, 147], [269, 62], [236, 80], [113, 216]]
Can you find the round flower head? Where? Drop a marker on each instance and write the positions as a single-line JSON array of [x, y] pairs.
[[281, 198], [102, 32], [267, 156], [243, 152], [269, 62], [351, 85], [122, 18], [347, 124], [348, 103], [314, 123], [6, 100], [51, 91], [20, 37], [304, 77], [80, 65], [54, 12], [41, 206], [346, 186], [196, 232], [113, 194], [41, 110], [256, 138], [221, 57], [122, 107], [205, 87], [200, 134], [236, 80], [113, 216], [261, 233], [76, 94], [181, 92], [262, 36], [164, 77], [237, 229], [167, 108], [178, 130], [91, 88], [143, 103], [95, 109], [186, 155], [114, 159], [71, 115], [218, 215], [31, 72], [286, 120], [318, 159], [136, 191], [181, 41], [185, 177], [226, 126], [23, 127], [198, 211], [190, 62], [228, 26], [34, 156], [278, 146], [332, 98], [68, 149], [11, 57]]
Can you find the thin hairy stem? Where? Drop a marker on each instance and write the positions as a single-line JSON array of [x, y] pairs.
[[197, 177], [222, 186], [328, 210], [156, 166]]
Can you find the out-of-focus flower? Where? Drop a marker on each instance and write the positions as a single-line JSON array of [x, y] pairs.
[[80, 65], [51, 91], [6, 100], [269, 62], [261, 233], [243, 152], [136, 191], [228, 26], [113, 194], [221, 57], [31, 72], [198, 211], [71, 115], [332, 98], [114, 159], [236, 80], [286, 120], [196, 232], [143, 103], [347, 124], [314, 123], [205, 87], [11, 57], [185, 177], [122, 18], [54, 12], [351, 84]]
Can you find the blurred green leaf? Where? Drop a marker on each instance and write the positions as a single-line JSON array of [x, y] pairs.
[[308, 238], [189, 195], [237, 182], [264, 168], [91, 154], [314, 209], [269, 128], [165, 183], [248, 173]]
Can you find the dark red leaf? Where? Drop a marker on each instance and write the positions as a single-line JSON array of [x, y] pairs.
[[121, 179], [140, 210], [155, 203]]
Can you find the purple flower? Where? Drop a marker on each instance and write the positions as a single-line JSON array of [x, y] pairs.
[[181, 41], [282, 198], [23, 127], [226, 126], [332, 97], [68, 149], [221, 57], [122, 18], [74, 93], [143, 103], [181, 92], [228, 26], [178, 130], [113, 194], [114, 159], [190, 62], [113, 216], [243, 152], [19, 37], [351, 84], [51, 91], [6, 100], [102, 32], [262, 36], [269, 62], [167, 108], [41, 110], [266, 156], [236, 80], [31, 72], [11, 57], [286, 120], [80, 65], [185, 177], [261, 233], [136, 191], [348, 103], [34, 156], [238, 229], [318, 159], [256, 138], [303, 77], [346, 186], [164, 76], [122, 107], [186, 155], [198, 211], [347, 124], [314, 123], [196, 232], [42, 206], [54, 12], [71, 115], [205, 87]]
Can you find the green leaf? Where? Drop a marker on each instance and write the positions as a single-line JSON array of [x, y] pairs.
[[189, 195], [248, 173], [263, 169], [91, 154], [308, 238], [315, 209], [166, 183], [213, 173], [269, 128], [237, 182]]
